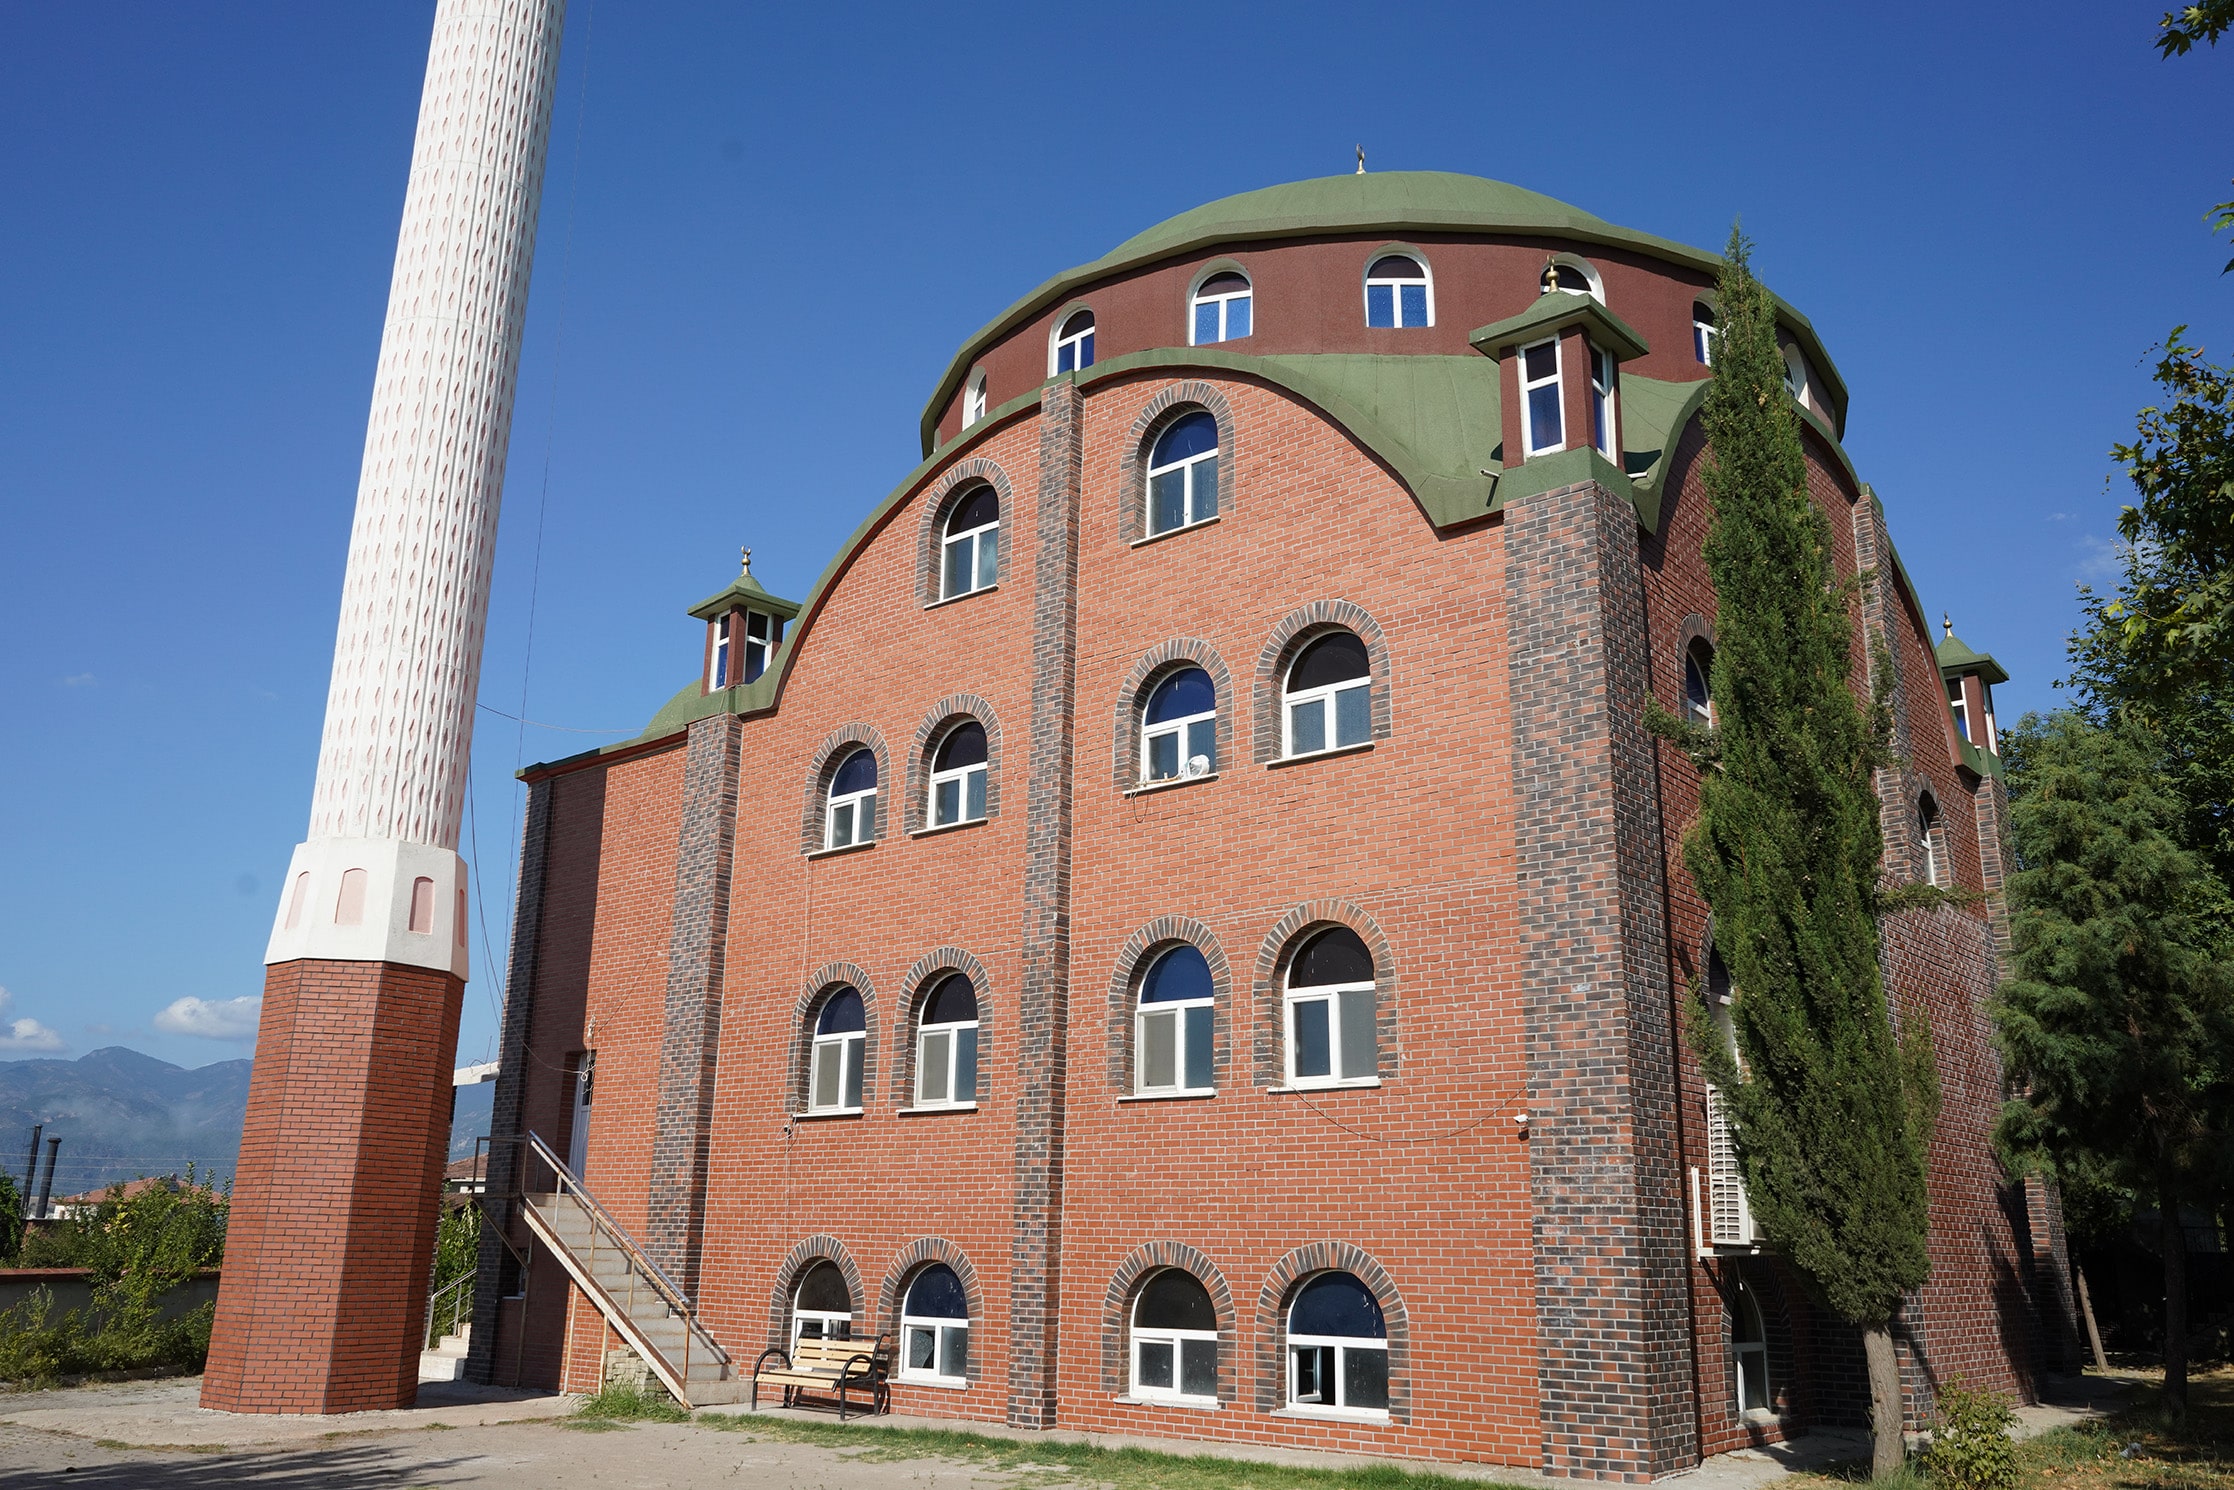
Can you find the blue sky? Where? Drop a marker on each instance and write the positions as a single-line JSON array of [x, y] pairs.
[[766, 229]]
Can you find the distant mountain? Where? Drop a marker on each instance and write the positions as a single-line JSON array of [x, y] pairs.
[[121, 1114]]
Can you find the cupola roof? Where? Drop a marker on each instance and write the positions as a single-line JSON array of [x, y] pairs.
[[745, 593], [1956, 658]]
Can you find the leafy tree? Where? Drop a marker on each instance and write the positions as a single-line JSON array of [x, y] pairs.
[[2116, 1027], [2180, 32], [11, 1221], [1832, 1113]]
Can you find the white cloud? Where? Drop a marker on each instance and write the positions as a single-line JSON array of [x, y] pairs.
[[2101, 562], [212, 1019], [24, 1034], [78, 680]]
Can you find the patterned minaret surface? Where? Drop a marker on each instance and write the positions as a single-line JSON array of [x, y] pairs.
[[324, 1295]]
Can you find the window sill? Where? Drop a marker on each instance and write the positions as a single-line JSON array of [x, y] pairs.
[[1186, 1096], [1354, 1083], [1334, 1414], [938, 1107], [943, 1383], [1319, 755], [1146, 787], [1184, 1404], [1206, 522], [968, 822], [828, 1112], [965, 595], [843, 848]]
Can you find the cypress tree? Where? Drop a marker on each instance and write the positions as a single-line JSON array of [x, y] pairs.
[[1832, 1114]]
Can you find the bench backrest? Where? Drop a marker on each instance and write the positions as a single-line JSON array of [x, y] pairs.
[[812, 1354]]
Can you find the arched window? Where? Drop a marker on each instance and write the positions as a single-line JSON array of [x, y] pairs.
[[1729, 1210], [717, 668], [1328, 702], [852, 813], [1540, 396], [1927, 838], [1396, 293], [1183, 474], [1704, 329], [1332, 1034], [1698, 677], [1604, 404], [1074, 343], [935, 1328], [973, 401], [1175, 1339], [958, 776], [1800, 380], [840, 1042], [946, 1045], [1172, 1036], [1749, 1350], [822, 1305], [1221, 309], [1179, 727], [973, 547], [1337, 1347], [1573, 276]]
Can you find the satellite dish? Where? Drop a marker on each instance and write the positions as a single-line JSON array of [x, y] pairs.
[[1198, 765]]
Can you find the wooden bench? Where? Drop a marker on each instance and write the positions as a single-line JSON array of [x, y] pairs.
[[823, 1367]]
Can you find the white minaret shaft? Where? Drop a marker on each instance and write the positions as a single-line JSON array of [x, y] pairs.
[[380, 879]]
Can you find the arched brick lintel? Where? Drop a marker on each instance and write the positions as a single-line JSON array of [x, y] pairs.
[[1272, 971], [818, 983], [963, 474], [1169, 403], [1298, 629], [1132, 698], [1117, 1303], [830, 753], [915, 1256], [814, 1249], [1272, 1320], [1124, 984]]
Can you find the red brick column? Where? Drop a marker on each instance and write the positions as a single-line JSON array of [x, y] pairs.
[[323, 1305]]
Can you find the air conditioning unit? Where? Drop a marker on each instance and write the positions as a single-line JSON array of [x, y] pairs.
[[1198, 765]]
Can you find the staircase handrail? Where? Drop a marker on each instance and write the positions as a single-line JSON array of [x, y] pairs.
[[570, 1182]]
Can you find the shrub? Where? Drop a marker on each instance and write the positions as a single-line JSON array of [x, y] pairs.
[[1971, 1448], [620, 1400]]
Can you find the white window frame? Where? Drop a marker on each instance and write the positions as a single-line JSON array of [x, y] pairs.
[[1330, 994], [1928, 833], [760, 643], [959, 779], [1078, 344], [1341, 1345], [717, 668], [936, 1326], [1556, 380], [1182, 727], [824, 1318], [853, 805], [1188, 466], [849, 1050], [1324, 694], [1395, 286], [951, 1034], [1224, 302], [984, 561], [1589, 272], [973, 400], [1958, 704], [1698, 714], [1605, 401], [1703, 334], [1178, 1341], [1740, 1349], [1181, 1042]]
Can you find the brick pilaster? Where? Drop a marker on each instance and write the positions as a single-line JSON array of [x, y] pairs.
[[1873, 556], [697, 949], [1043, 998], [506, 1117], [1615, 1383]]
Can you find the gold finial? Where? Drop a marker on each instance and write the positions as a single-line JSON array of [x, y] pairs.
[[1361, 160], [1947, 623], [748, 559]]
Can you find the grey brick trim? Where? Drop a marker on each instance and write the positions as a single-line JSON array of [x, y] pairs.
[[1695, 628], [697, 948], [1124, 990], [1117, 1310], [1043, 993], [1616, 1389], [936, 499], [806, 1254], [1174, 401], [929, 969], [1272, 1321], [1132, 697], [803, 1015], [1918, 787], [1297, 630], [1269, 994], [913, 1257], [1873, 549], [511, 1079], [1989, 801], [928, 737], [830, 754]]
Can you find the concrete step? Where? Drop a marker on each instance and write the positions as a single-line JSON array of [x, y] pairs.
[[435, 1365]]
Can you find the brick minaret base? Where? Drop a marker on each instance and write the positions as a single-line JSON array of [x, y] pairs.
[[323, 1302]]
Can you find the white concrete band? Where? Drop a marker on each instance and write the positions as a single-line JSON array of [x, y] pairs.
[[373, 900]]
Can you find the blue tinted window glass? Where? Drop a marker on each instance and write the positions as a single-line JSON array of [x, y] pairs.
[[1175, 1300], [1335, 955], [988, 559], [1066, 358], [958, 567], [1206, 324], [1307, 727], [1337, 1304], [841, 1015], [964, 746], [965, 1065], [1312, 1052], [1415, 305], [1196, 434], [858, 774], [1202, 740], [976, 780], [1206, 488], [1541, 361], [1188, 691], [1167, 501], [951, 1002], [824, 1289], [1543, 416], [1180, 973], [1335, 657], [1353, 716], [937, 1294], [1237, 317], [1380, 305], [1198, 1047], [1163, 757], [980, 507], [1086, 351], [1365, 1378]]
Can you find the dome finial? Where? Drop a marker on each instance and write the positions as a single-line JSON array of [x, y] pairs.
[[748, 562], [1947, 623], [1361, 160]]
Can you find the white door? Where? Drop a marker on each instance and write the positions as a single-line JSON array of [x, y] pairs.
[[578, 1143]]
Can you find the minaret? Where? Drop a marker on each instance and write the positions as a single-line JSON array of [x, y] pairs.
[[332, 1231]]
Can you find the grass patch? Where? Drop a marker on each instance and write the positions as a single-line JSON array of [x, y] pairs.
[[1121, 1469], [621, 1403]]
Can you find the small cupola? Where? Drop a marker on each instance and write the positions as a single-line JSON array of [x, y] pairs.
[[744, 626], [1559, 370], [1970, 677]]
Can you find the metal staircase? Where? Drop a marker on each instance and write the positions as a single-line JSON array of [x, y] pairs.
[[641, 1303]]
